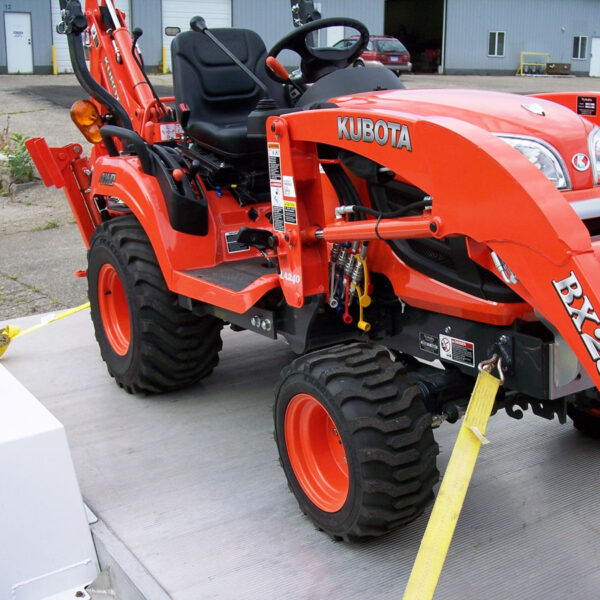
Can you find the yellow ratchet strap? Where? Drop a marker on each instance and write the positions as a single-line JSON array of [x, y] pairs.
[[446, 510], [11, 332]]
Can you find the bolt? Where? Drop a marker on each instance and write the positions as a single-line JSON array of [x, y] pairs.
[[255, 321], [335, 431], [77, 149], [448, 330], [433, 227], [79, 594], [265, 325], [503, 340], [273, 127]]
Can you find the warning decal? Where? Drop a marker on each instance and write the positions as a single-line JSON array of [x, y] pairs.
[[277, 207], [274, 154], [169, 131], [586, 105], [289, 209], [289, 191], [459, 351], [429, 343], [231, 238], [274, 162]]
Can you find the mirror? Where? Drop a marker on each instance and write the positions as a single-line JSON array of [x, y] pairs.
[[171, 31]]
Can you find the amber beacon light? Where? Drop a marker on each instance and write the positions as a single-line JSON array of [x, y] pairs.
[[85, 115]]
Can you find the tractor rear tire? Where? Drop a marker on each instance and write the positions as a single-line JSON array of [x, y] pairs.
[[586, 421], [355, 440], [148, 341]]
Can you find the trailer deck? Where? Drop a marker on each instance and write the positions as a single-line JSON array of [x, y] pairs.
[[189, 483]]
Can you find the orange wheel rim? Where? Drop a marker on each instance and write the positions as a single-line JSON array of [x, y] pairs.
[[316, 453], [114, 310]]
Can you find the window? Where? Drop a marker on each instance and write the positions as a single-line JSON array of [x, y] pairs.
[[390, 46], [496, 43], [579, 47]]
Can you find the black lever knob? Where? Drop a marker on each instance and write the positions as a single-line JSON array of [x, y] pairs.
[[198, 23]]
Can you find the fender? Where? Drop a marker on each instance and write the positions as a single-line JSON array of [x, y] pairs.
[[179, 254]]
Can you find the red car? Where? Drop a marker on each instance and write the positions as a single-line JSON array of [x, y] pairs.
[[387, 50]]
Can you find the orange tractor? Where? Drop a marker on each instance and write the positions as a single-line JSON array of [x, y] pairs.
[[396, 239]]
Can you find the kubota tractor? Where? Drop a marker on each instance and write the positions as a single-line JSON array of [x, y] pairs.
[[396, 239]]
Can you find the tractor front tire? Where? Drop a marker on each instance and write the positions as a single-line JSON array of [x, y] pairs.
[[149, 342], [355, 440]]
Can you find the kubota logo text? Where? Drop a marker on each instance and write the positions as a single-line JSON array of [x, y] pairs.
[[570, 292], [361, 129]]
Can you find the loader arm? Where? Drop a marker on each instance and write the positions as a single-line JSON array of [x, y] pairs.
[[482, 189]]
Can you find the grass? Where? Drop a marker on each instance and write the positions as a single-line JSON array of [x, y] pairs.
[[48, 225]]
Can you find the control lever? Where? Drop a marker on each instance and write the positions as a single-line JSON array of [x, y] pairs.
[[281, 72]]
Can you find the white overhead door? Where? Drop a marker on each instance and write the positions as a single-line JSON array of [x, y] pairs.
[[177, 13], [63, 61]]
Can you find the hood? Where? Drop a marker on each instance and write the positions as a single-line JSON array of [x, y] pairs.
[[496, 112]]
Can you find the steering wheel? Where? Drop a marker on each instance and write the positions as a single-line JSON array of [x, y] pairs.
[[317, 62]]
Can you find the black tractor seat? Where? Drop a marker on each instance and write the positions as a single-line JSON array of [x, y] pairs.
[[218, 94]]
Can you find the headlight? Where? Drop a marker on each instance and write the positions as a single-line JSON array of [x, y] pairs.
[[543, 156], [594, 143]]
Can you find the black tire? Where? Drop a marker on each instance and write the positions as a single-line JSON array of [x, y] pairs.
[[147, 340], [584, 421], [386, 434]]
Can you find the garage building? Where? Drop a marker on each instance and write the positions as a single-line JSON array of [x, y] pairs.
[[450, 36], [28, 32]]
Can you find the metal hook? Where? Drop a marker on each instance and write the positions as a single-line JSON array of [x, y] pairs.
[[488, 365]]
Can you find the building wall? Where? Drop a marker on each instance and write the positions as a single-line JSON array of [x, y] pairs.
[[529, 25], [41, 32], [272, 19]]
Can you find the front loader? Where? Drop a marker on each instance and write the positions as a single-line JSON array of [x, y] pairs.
[[396, 239]]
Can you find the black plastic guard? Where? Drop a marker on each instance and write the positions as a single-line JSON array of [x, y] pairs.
[[187, 212]]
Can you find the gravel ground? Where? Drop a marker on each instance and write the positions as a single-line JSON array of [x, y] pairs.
[[40, 245]]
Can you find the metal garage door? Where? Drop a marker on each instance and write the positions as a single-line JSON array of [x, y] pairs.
[[63, 62], [177, 13]]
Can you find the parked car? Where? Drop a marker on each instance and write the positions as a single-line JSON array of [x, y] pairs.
[[385, 49]]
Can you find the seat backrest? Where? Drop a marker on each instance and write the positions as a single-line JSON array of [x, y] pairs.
[[213, 87]]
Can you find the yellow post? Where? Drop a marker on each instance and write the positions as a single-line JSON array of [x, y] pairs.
[[54, 65], [446, 510], [164, 59]]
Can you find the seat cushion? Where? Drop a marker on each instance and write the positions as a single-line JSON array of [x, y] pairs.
[[230, 139]]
